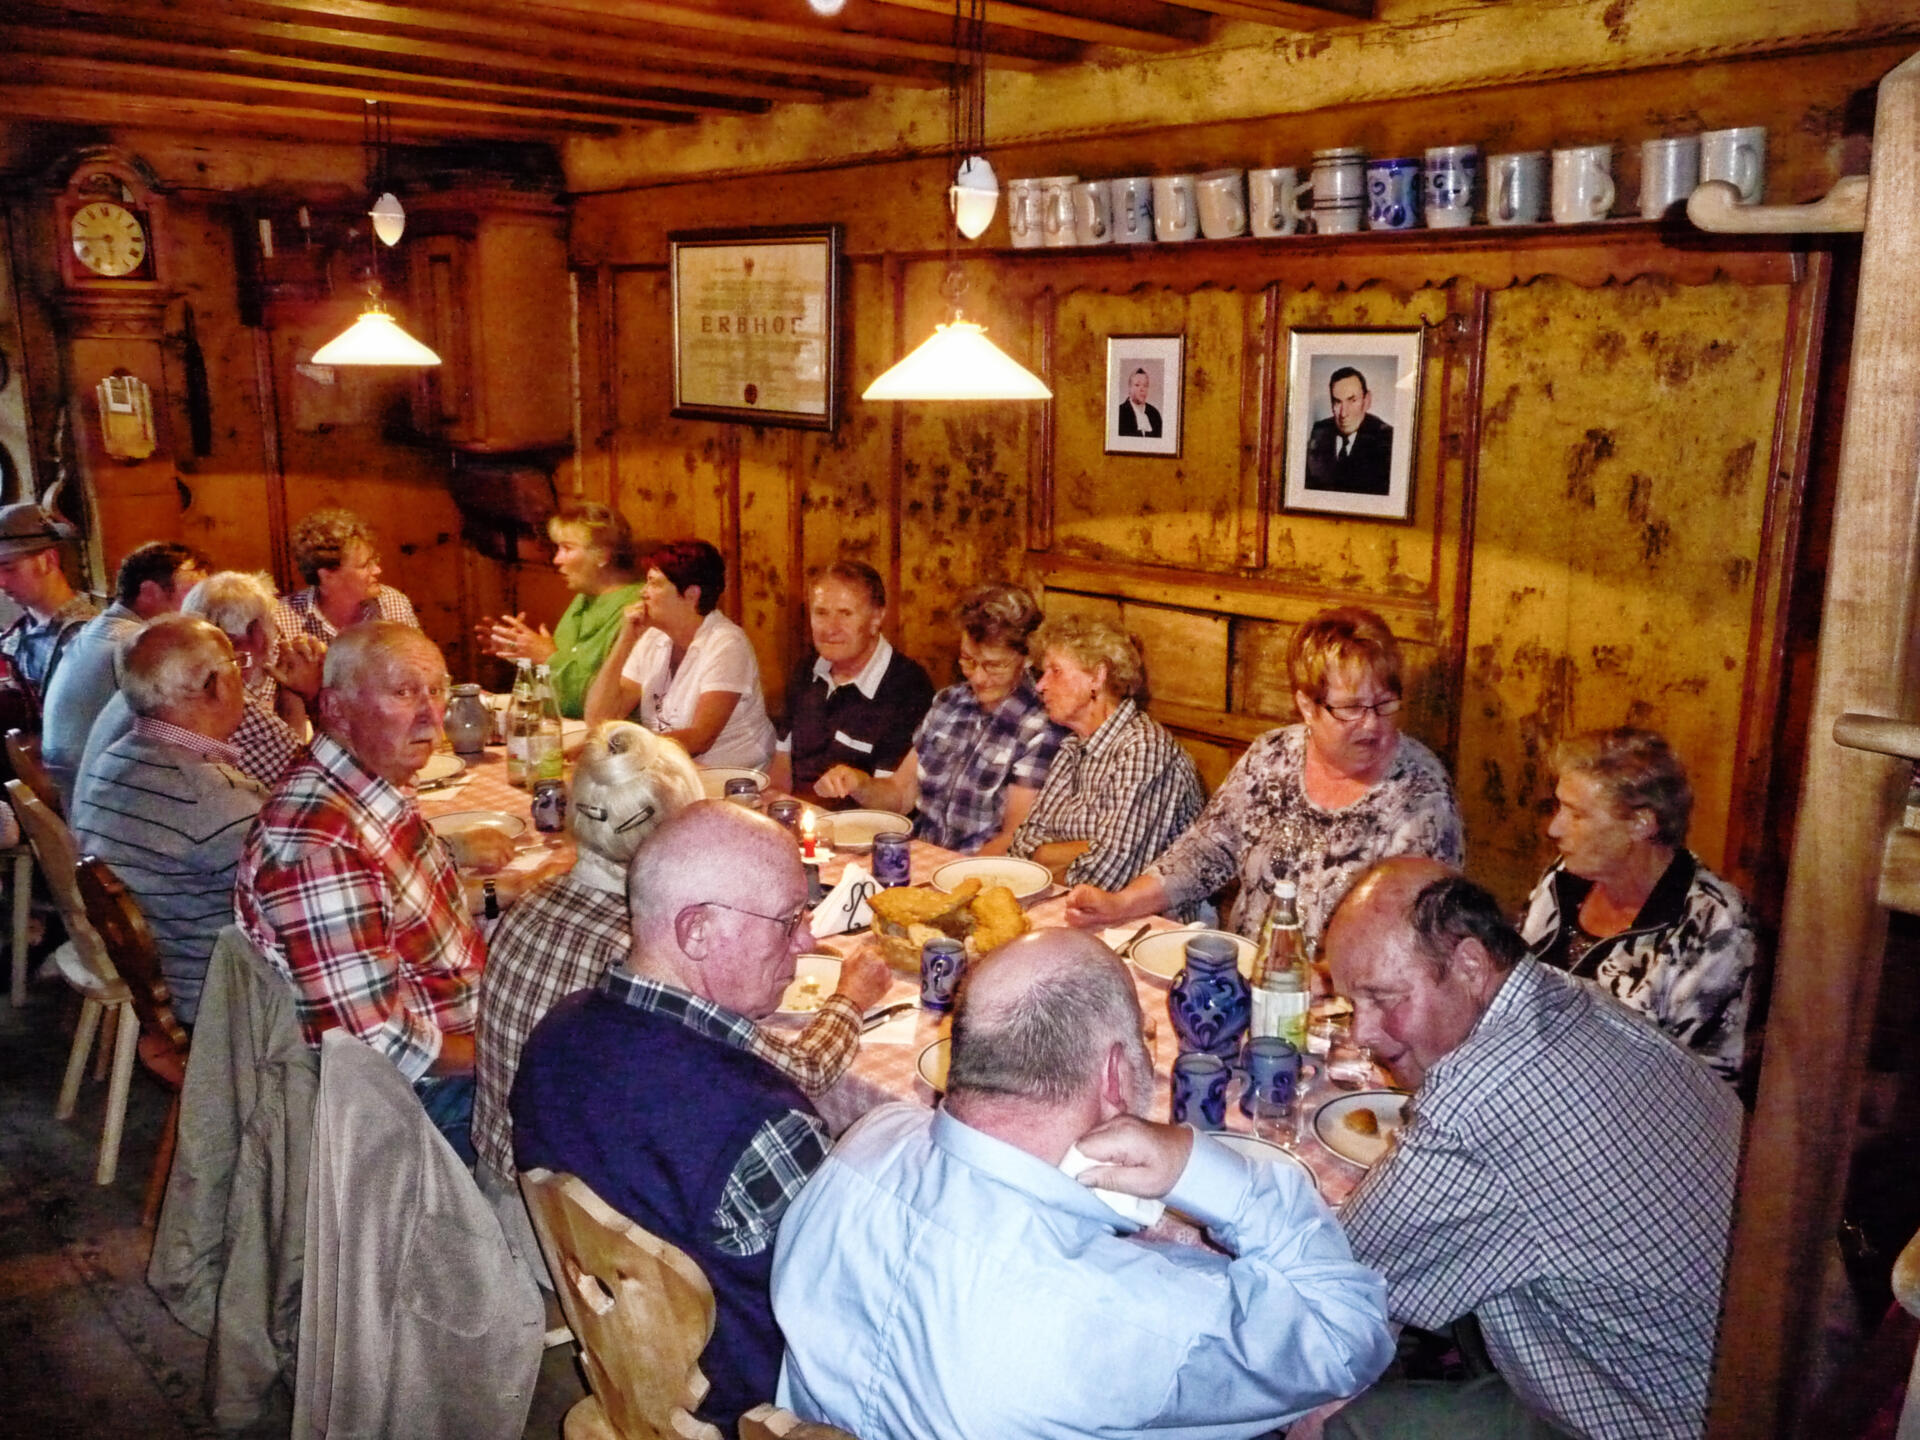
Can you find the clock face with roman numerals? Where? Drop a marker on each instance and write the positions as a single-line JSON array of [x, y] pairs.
[[108, 239]]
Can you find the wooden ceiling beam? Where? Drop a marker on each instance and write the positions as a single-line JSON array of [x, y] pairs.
[[1128, 24], [133, 17], [132, 78], [508, 28], [864, 30], [88, 106], [1289, 14], [367, 81]]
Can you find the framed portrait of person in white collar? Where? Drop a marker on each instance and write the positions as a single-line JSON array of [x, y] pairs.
[[1352, 419], [1145, 400]]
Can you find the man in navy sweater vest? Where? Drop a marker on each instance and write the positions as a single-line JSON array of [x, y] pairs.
[[649, 1086]]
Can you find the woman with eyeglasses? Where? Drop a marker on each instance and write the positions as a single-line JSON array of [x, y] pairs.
[[982, 753], [1315, 803]]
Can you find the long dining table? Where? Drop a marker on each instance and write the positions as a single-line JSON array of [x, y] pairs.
[[887, 1066]]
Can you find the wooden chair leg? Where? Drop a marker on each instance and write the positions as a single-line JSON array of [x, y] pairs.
[[126, 1044], [162, 1166], [77, 1059], [103, 1056], [22, 913]]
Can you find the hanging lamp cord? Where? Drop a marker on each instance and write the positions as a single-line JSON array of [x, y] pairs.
[[966, 121]]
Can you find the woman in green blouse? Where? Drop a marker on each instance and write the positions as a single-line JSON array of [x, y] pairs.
[[593, 551]]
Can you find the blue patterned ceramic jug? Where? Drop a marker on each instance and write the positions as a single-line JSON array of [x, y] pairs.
[[1211, 1002]]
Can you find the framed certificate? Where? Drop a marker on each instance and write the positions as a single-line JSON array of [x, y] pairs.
[[756, 325]]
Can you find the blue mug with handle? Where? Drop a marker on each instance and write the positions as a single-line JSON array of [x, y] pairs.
[[1393, 194]]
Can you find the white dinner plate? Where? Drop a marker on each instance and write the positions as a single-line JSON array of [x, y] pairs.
[[1329, 1123], [442, 766], [1254, 1148], [465, 822], [1163, 954], [1024, 878], [814, 979], [932, 1064], [855, 829], [714, 780]]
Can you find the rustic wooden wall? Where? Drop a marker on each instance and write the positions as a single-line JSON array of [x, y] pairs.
[[1549, 579]]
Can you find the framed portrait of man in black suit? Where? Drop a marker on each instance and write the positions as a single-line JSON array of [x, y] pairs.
[[1146, 380], [1353, 413]]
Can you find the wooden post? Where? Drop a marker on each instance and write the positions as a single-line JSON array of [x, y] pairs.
[[1832, 932]]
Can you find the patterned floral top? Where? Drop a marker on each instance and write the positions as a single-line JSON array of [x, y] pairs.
[[967, 758], [1684, 963], [1261, 826]]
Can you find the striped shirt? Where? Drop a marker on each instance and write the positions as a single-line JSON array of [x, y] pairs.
[[1127, 789], [562, 936], [349, 894], [170, 817]]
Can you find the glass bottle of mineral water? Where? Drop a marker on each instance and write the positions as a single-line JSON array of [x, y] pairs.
[[523, 716], [1283, 993], [545, 760]]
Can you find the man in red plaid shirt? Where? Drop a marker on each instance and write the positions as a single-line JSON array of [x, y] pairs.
[[347, 892]]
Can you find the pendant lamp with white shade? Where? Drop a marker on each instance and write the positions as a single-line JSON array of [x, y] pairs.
[[959, 361]]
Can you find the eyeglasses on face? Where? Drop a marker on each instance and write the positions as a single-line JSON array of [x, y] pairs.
[[1354, 712], [788, 923], [980, 665]]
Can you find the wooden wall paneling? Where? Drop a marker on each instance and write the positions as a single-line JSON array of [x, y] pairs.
[[591, 477], [1185, 653], [1617, 536], [664, 465], [1144, 508], [1833, 931], [1041, 435], [1748, 843], [1474, 347], [1259, 482]]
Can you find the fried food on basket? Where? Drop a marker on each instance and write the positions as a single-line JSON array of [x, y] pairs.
[[997, 918], [910, 905], [902, 952]]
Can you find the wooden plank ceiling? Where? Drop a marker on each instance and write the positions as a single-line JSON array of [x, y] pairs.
[[541, 69]]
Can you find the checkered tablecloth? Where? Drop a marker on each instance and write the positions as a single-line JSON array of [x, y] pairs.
[[889, 1071]]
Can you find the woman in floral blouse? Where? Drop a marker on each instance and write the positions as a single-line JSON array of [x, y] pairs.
[[1315, 803], [982, 753]]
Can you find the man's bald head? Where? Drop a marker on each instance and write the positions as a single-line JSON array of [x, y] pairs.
[[709, 893], [1036, 1019]]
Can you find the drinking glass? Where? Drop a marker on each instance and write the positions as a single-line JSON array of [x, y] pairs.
[[1350, 1064]]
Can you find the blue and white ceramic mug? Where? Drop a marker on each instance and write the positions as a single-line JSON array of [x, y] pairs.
[[1452, 181], [1393, 194], [1200, 1090]]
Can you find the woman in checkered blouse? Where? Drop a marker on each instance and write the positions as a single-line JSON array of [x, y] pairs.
[[335, 554], [983, 751]]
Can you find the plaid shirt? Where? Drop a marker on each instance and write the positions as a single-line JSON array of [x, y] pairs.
[[33, 647], [783, 1153], [967, 758], [563, 936], [300, 613], [1566, 1176], [266, 745], [1127, 789], [191, 741], [348, 893]]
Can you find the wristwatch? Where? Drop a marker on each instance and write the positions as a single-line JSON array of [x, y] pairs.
[[490, 901]]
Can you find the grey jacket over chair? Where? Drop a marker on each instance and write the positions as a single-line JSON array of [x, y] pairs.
[[229, 1247]]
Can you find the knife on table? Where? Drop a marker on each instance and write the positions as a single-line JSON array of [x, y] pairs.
[[874, 1019]]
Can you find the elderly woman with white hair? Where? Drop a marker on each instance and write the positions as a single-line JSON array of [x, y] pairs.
[[570, 929], [1120, 786]]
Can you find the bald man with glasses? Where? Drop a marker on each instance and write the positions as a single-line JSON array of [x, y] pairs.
[[654, 1086]]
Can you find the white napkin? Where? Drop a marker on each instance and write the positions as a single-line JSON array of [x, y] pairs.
[[1134, 1209], [845, 908], [901, 1030]]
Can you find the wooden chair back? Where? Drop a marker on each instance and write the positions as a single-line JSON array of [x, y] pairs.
[[640, 1308], [770, 1422], [53, 847], [123, 930], [23, 754]]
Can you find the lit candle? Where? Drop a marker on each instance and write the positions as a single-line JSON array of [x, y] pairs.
[[806, 834]]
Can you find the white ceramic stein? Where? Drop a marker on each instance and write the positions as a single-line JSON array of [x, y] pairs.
[[1175, 215], [1582, 184]]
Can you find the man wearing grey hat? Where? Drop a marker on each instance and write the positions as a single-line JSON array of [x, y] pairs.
[[31, 577]]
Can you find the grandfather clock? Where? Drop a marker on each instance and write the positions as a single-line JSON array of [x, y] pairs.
[[110, 239]]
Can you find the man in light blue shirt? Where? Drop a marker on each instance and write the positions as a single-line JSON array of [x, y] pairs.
[[941, 1275]]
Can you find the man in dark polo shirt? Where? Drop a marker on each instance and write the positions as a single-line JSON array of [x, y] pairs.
[[653, 1087], [859, 700]]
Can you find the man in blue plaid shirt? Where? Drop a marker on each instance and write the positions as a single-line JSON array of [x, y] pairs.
[[653, 1087], [1564, 1178]]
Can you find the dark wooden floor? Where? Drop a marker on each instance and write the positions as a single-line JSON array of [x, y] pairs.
[[86, 1349]]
